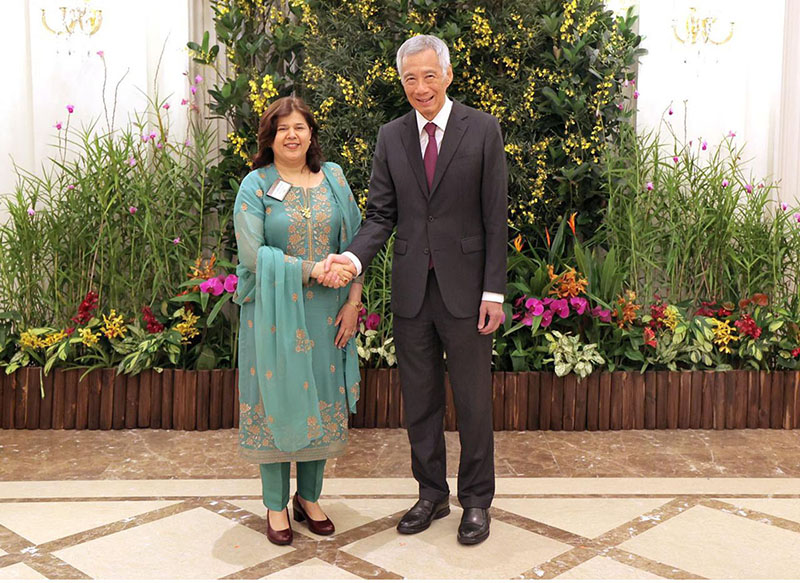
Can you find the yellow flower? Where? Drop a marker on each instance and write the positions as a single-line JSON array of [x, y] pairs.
[[114, 325], [31, 341], [187, 326], [55, 338], [723, 335], [87, 337], [671, 317]]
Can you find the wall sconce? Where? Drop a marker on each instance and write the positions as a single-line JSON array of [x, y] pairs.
[[83, 19], [700, 29]]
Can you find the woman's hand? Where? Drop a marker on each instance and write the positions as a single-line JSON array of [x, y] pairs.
[[340, 275], [347, 320]]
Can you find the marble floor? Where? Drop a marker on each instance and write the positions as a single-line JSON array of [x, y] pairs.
[[152, 504]]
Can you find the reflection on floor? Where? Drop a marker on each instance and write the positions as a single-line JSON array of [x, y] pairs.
[[622, 505]]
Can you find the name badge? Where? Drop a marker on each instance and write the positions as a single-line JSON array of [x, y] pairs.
[[279, 189]]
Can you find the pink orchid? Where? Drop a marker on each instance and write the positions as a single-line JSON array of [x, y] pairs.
[[580, 305], [230, 283], [748, 188], [145, 138], [214, 286], [649, 186], [373, 321], [159, 145], [184, 101], [187, 143], [176, 240], [704, 145], [152, 135], [70, 108], [636, 95], [58, 125], [193, 89], [165, 106], [675, 159], [31, 212], [132, 210], [198, 79], [535, 307], [101, 54], [70, 187], [547, 319], [131, 161], [560, 307], [670, 112], [797, 217], [601, 314], [731, 134], [784, 206], [619, 106], [725, 183], [761, 185]]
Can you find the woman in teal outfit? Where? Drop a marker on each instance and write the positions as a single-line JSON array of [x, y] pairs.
[[298, 367]]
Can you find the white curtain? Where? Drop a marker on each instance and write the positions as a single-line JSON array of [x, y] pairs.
[[44, 73], [788, 163]]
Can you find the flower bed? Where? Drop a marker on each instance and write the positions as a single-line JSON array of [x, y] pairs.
[[203, 400]]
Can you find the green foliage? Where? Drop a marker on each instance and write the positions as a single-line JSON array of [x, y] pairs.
[[551, 71], [569, 355]]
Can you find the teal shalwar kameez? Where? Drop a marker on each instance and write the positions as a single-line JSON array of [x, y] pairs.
[[295, 387]]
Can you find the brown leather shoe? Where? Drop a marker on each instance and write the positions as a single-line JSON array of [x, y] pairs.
[[320, 527], [280, 537]]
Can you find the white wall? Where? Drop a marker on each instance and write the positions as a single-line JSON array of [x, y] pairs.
[[40, 78]]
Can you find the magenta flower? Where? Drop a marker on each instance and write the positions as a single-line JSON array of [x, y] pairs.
[[165, 106], [373, 321], [184, 101], [131, 161], [230, 283], [725, 183], [535, 307], [176, 240], [704, 146], [748, 188], [636, 95], [649, 186], [670, 112], [619, 106], [198, 79], [31, 212], [187, 143], [797, 217], [159, 145], [101, 54], [784, 206], [601, 314], [731, 134], [625, 83], [58, 125], [145, 138], [560, 307], [132, 210], [633, 81], [70, 108], [547, 319], [580, 305], [70, 187], [193, 89], [152, 135], [675, 159]]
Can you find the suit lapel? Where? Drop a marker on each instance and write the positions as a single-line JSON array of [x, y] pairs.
[[456, 126], [410, 139]]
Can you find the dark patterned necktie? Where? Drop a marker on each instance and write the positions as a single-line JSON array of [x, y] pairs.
[[431, 153]]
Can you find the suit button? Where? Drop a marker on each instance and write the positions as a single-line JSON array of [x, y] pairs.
[[426, 251], [430, 219]]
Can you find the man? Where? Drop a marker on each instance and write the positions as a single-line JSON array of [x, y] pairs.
[[439, 177]]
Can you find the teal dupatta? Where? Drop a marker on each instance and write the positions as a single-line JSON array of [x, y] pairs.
[[283, 350]]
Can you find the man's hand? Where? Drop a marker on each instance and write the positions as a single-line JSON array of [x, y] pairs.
[[338, 270], [492, 310]]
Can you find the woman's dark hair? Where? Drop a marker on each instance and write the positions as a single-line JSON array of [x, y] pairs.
[[268, 127]]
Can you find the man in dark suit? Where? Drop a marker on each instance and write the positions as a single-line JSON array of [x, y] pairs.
[[439, 177]]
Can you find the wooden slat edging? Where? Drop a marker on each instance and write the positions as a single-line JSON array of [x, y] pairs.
[[581, 395], [593, 402], [754, 410], [685, 400], [789, 397], [498, 399], [120, 398], [34, 397], [82, 405], [545, 398], [59, 394], [70, 398], [145, 397], [46, 405], [107, 398], [228, 397], [616, 402], [215, 400], [557, 404], [763, 404], [696, 409], [569, 401], [236, 408], [8, 401], [707, 414], [534, 380], [662, 388], [628, 400], [131, 402], [604, 417], [776, 405], [673, 398], [203, 383], [650, 400], [156, 398]]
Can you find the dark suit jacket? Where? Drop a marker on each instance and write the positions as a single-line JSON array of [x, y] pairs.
[[462, 221]]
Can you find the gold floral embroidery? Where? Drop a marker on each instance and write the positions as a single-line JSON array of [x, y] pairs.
[[314, 430], [254, 431], [333, 368], [249, 323], [303, 344], [330, 320], [305, 385], [310, 295], [268, 374], [269, 210], [252, 370], [294, 297], [244, 206], [259, 193], [341, 390], [261, 174], [248, 299], [272, 329]]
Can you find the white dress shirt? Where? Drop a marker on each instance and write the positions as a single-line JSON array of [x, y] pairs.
[[440, 119]]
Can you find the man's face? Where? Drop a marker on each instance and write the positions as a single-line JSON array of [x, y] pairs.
[[424, 83]]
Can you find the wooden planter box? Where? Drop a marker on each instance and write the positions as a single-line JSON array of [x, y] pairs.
[[201, 400]]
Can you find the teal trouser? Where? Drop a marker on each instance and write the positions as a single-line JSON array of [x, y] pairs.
[[275, 482]]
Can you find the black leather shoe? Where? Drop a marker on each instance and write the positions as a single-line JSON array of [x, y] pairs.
[[474, 527], [422, 514]]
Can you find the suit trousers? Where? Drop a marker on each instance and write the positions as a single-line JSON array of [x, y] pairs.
[[420, 342]]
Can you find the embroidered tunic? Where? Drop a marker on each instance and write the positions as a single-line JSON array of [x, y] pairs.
[[296, 387]]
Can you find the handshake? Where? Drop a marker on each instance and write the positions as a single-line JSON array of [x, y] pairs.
[[335, 272]]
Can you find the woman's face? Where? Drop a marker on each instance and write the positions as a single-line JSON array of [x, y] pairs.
[[292, 139]]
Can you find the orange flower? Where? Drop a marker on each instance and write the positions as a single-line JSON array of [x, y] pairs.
[[569, 284], [571, 222], [518, 243], [626, 312], [547, 234], [760, 299]]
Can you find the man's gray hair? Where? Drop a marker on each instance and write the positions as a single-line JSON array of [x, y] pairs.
[[423, 42]]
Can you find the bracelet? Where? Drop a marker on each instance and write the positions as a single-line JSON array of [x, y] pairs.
[[356, 305]]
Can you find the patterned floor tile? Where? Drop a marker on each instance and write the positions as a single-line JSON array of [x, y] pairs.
[[589, 517], [19, 571], [196, 544], [719, 545], [788, 508], [312, 569], [606, 569], [435, 553]]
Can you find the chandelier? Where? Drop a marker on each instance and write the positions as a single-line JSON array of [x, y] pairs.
[[698, 29], [83, 20]]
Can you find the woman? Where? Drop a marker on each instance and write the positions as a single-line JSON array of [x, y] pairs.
[[298, 365]]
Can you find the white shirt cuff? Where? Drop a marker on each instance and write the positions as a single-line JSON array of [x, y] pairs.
[[355, 261], [492, 297]]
